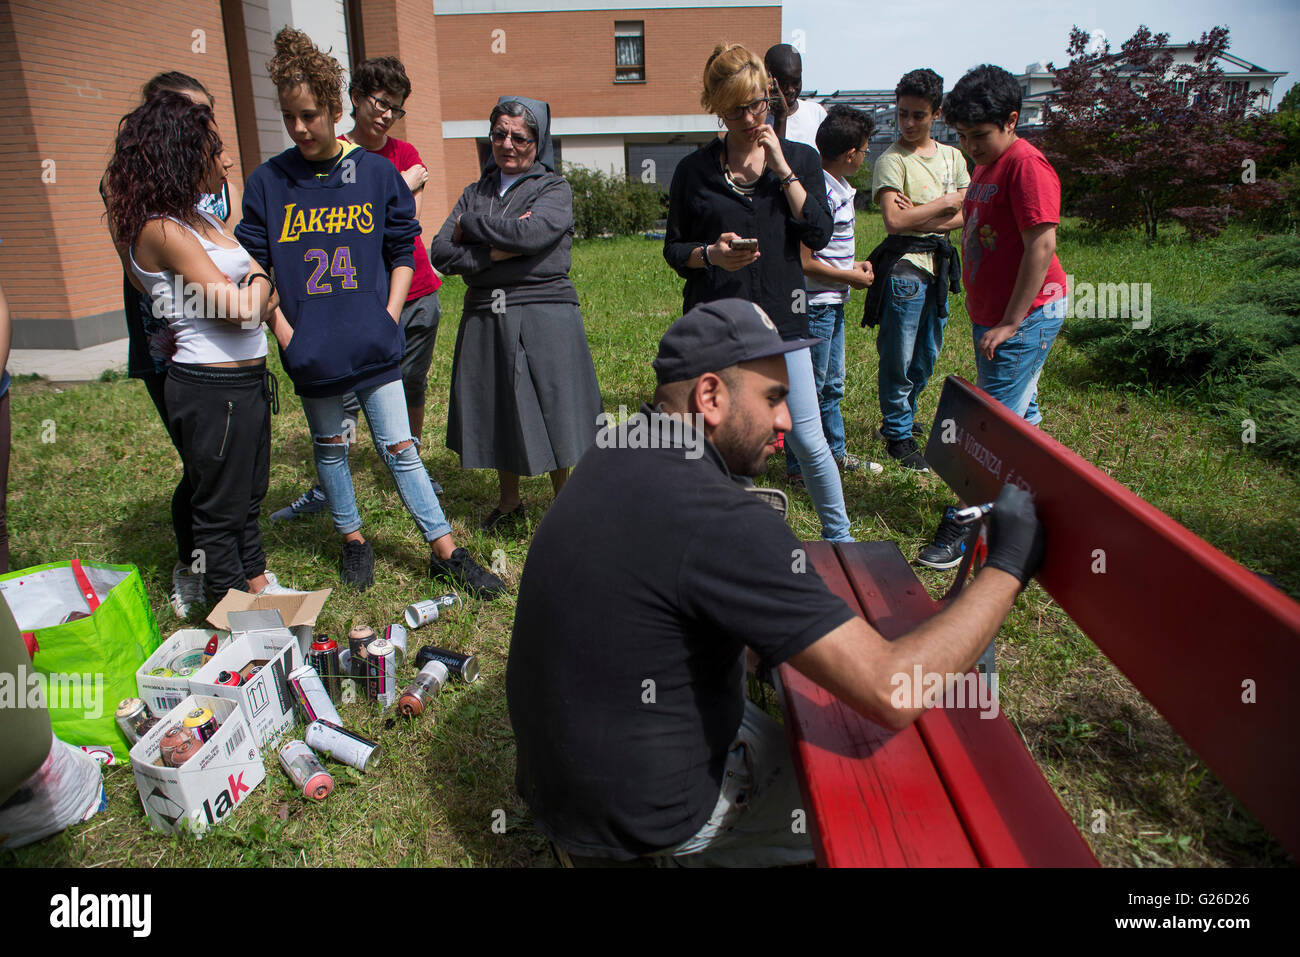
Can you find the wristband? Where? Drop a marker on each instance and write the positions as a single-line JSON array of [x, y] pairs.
[[792, 178], [704, 254], [248, 280]]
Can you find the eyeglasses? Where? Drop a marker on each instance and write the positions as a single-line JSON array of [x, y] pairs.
[[518, 139], [383, 106], [757, 108]]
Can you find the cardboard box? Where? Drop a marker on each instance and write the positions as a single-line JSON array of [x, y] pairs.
[[162, 694], [266, 699], [298, 612], [206, 788]]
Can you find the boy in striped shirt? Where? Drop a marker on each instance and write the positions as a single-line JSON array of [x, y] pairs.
[[831, 273]]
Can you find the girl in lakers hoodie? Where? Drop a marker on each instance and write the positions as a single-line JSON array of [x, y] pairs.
[[336, 223]]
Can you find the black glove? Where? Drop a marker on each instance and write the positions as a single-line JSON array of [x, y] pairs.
[[1016, 542]]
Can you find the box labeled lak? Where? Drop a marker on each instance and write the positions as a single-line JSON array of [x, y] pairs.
[[210, 785]]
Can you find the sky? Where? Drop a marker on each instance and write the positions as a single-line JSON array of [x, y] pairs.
[[851, 44]]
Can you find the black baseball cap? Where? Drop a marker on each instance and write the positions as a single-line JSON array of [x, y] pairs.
[[718, 335]]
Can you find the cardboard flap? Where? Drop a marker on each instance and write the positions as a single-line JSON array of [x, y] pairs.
[[294, 609]]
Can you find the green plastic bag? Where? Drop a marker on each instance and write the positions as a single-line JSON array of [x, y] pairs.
[[88, 663]]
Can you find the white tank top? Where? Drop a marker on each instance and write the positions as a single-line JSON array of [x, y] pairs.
[[200, 340]]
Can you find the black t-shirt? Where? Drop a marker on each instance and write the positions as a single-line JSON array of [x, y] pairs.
[[702, 206], [644, 582]]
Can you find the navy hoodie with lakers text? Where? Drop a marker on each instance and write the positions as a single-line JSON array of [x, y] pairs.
[[332, 240]]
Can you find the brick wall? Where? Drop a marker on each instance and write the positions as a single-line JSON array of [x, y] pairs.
[[567, 59], [409, 32], [70, 71]]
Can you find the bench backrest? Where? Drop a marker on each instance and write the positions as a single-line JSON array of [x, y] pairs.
[[1213, 647]]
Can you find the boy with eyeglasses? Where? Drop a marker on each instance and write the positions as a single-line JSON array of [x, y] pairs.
[[378, 91]]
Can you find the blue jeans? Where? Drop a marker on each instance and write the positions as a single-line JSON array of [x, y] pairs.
[[805, 438], [1011, 376], [908, 342], [385, 408], [826, 322]]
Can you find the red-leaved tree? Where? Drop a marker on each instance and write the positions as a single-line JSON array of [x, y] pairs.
[[1138, 139]]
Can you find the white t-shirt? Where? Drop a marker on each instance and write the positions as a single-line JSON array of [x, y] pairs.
[[801, 126], [839, 251]]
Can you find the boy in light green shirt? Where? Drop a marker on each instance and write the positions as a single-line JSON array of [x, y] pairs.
[[919, 185]]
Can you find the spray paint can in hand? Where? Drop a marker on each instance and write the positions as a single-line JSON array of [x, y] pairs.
[[342, 745], [423, 612], [464, 667], [312, 697], [324, 657], [423, 689], [305, 771], [382, 666]]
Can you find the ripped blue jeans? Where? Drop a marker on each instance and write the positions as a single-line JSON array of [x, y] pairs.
[[385, 409]]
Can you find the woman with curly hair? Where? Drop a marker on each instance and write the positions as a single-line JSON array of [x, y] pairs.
[[338, 224], [168, 154], [149, 351]]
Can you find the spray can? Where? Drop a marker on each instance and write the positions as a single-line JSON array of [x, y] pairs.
[[342, 745], [202, 722], [209, 650], [464, 667], [305, 771], [358, 638], [423, 612], [229, 678], [183, 752], [423, 689], [324, 657], [134, 719], [175, 737], [382, 666], [312, 698], [396, 636]]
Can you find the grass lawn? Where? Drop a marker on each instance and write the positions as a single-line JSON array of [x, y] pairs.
[[101, 492]]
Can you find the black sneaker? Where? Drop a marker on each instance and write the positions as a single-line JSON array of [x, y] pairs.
[[467, 573], [357, 566], [949, 545], [905, 452]]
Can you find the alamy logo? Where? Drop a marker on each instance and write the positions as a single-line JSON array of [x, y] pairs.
[[658, 430], [103, 910], [69, 692], [932, 690]]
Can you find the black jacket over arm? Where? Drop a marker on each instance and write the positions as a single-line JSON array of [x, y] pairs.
[[702, 206]]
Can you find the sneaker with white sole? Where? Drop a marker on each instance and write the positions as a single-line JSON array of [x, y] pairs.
[[308, 503], [950, 542], [273, 587], [188, 588]]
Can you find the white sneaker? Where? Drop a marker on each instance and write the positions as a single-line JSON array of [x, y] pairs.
[[187, 589], [273, 587]]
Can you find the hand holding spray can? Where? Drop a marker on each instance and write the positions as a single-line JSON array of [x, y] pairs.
[[305, 771], [423, 689]]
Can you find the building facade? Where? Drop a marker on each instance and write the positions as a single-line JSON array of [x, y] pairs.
[[623, 80]]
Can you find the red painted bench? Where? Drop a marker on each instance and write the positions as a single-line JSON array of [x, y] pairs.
[[1188, 626]]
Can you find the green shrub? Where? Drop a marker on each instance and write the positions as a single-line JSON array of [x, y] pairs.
[[1239, 354], [604, 203]]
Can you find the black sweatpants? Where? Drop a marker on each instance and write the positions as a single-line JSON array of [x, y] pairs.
[[220, 419]]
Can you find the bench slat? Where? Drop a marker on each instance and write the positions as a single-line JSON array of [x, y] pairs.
[[1010, 812], [889, 811], [1185, 623]]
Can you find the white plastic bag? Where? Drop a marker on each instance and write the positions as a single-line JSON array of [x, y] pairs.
[[68, 788]]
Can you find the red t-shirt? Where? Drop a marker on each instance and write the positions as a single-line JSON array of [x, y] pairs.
[[403, 155], [1018, 191]]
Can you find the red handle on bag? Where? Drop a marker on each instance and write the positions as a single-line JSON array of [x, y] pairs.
[[87, 592]]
